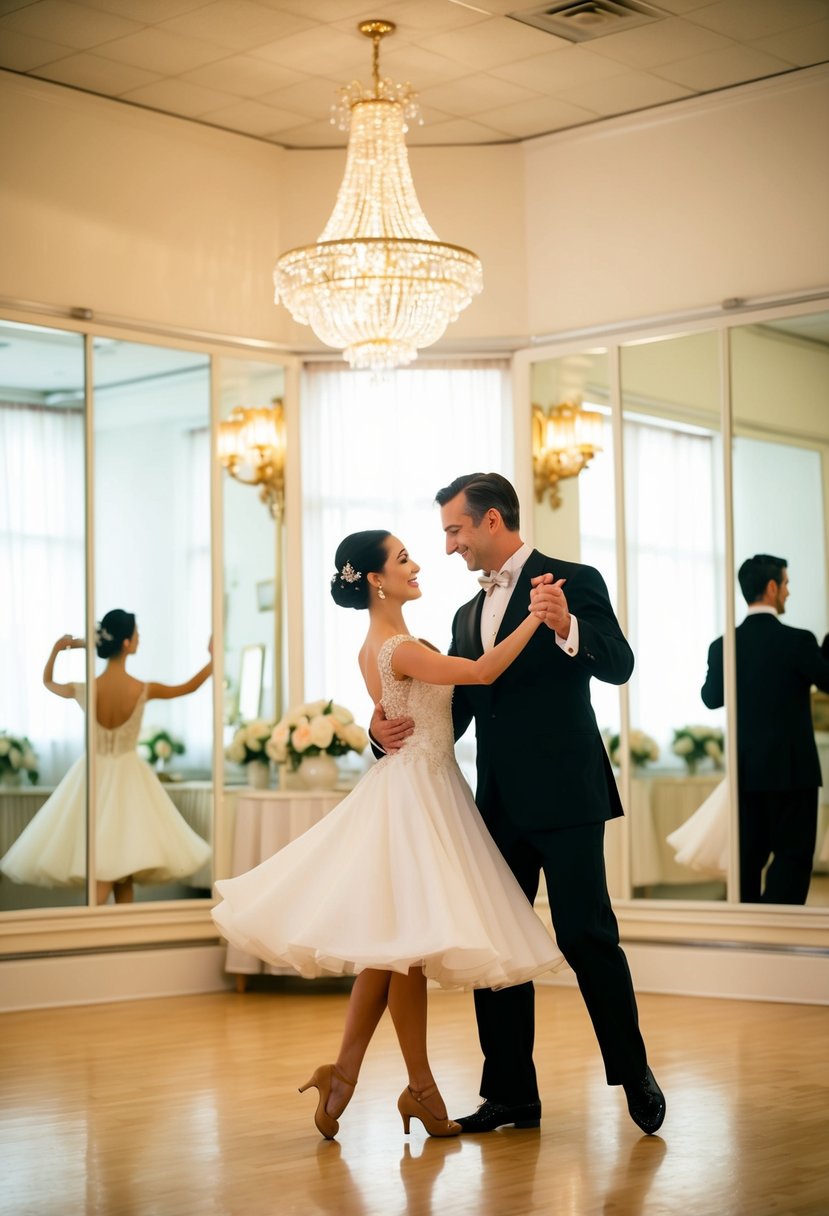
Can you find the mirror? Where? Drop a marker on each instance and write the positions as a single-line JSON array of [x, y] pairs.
[[252, 577], [582, 527], [675, 542], [780, 397], [42, 573], [154, 799]]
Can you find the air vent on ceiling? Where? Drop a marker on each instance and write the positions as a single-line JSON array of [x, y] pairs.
[[581, 20]]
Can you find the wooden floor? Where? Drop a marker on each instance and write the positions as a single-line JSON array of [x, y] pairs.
[[189, 1107]]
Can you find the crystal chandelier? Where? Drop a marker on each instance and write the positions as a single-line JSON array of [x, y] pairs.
[[378, 283]]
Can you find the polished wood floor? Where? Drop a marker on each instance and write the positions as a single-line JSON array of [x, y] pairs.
[[189, 1107]]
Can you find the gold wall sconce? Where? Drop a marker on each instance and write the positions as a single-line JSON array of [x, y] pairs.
[[251, 446], [565, 440]]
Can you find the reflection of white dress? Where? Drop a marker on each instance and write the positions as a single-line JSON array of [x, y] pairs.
[[701, 842], [139, 831], [401, 873]]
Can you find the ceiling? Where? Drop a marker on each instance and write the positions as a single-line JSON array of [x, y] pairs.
[[270, 68]]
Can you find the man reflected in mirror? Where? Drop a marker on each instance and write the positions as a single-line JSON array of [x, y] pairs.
[[778, 766]]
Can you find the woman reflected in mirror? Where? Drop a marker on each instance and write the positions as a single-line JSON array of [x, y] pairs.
[[140, 835]]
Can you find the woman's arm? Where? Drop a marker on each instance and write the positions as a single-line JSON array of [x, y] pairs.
[[422, 663], [166, 692], [67, 642]]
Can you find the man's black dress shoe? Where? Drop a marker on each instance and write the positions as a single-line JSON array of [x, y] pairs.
[[490, 1115], [646, 1103]]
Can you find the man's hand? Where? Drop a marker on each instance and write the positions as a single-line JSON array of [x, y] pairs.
[[389, 733], [548, 601]]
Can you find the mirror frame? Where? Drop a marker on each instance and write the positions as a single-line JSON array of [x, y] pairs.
[[42, 931], [666, 921]]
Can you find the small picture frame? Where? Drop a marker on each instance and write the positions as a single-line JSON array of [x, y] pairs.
[[251, 671], [266, 595]]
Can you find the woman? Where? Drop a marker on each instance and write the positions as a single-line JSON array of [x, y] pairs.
[[401, 882], [140, 835]]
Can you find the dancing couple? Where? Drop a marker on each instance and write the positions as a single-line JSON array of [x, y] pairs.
[[407, 880]]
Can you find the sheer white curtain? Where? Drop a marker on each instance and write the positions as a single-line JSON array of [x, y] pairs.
[[375, 451], [674, 542], [41, 575]]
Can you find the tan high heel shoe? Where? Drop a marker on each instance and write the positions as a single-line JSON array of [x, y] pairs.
[[410, 1104], [327, 1125]]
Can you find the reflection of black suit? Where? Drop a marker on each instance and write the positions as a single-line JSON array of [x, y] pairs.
[[778, 769], [545, 789]]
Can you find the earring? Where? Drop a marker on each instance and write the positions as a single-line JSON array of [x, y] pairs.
[[381, 595]]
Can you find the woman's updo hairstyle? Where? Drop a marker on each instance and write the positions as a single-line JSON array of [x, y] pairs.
[[360, 554], [113, 630]]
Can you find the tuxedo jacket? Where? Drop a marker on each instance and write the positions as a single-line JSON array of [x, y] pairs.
[[776, 668], [540, 756]]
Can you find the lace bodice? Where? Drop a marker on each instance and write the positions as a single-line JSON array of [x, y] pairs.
[[430, 705], [119, 739]]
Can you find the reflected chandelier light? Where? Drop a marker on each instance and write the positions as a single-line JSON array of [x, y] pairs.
[[251, 446], [565, 440], [378, 283]]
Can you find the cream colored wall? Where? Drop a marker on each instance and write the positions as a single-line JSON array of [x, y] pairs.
[[680, 207]]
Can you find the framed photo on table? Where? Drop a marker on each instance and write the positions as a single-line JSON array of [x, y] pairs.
[[251, 671]]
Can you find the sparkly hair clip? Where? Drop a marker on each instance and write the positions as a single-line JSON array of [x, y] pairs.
[[348, 574], [102, 635]]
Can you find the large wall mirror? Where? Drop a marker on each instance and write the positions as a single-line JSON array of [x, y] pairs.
[[42, 574], [671, 413]]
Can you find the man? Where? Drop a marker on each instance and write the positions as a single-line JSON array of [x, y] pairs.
[[544, 789], [778, 770]]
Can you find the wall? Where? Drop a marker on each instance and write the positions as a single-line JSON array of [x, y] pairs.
[[680, 207]]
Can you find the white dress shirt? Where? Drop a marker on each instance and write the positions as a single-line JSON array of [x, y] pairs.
[[497, 598]]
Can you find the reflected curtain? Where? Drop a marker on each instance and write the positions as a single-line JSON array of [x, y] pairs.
[[41, 575], [374, 453]]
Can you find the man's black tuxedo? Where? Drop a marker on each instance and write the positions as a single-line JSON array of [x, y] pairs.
[[545, 789], [778, 770]]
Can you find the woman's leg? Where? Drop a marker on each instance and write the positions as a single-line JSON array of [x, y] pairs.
[[102, 892], [124, 893], [407, 1006], [366, 1006]]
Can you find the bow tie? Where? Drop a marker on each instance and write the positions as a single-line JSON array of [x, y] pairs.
[[501, 578]]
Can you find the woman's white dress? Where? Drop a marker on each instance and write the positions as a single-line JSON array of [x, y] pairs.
[[401, 873], [701, 842], [139, 831]]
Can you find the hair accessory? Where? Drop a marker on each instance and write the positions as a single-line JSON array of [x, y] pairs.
[[102, 635], [349, 575]]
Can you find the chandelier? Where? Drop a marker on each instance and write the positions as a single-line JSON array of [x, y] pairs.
[[378, 283], [565, 440], [251, 446]]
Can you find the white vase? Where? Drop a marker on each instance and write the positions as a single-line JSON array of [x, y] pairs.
[[259, 774], [11, 778], [319, 772]]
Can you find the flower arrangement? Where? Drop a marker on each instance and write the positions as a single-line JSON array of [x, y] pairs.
[[642, 748], [17, 756], [695, 743], [158, 744], [312, 729], [248, 743]]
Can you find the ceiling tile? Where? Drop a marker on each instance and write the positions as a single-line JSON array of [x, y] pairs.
[[97, 75], [748, 20], [491, 43], [311, 135], [159, 51], [252, 118], [682, 6], [624, 94], [322, 51], [430, 15], [664, 41], [20, 53], [471, 93], [806, 45], [721, 69], [311, 97], [178, 97], [422, 68], [68, 24], [456, 131], [560, 70], [317, 10], [11, 6], [148, 12], [537, 117], [243, 76], [236, 24]]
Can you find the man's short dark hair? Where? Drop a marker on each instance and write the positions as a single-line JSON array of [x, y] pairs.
[[484, 492], [757, 572]]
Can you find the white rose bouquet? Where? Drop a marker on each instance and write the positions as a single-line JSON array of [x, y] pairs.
[[248, 743], [642, 748], [695, 743], [158, 744], [17, 756], [309, 730]]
